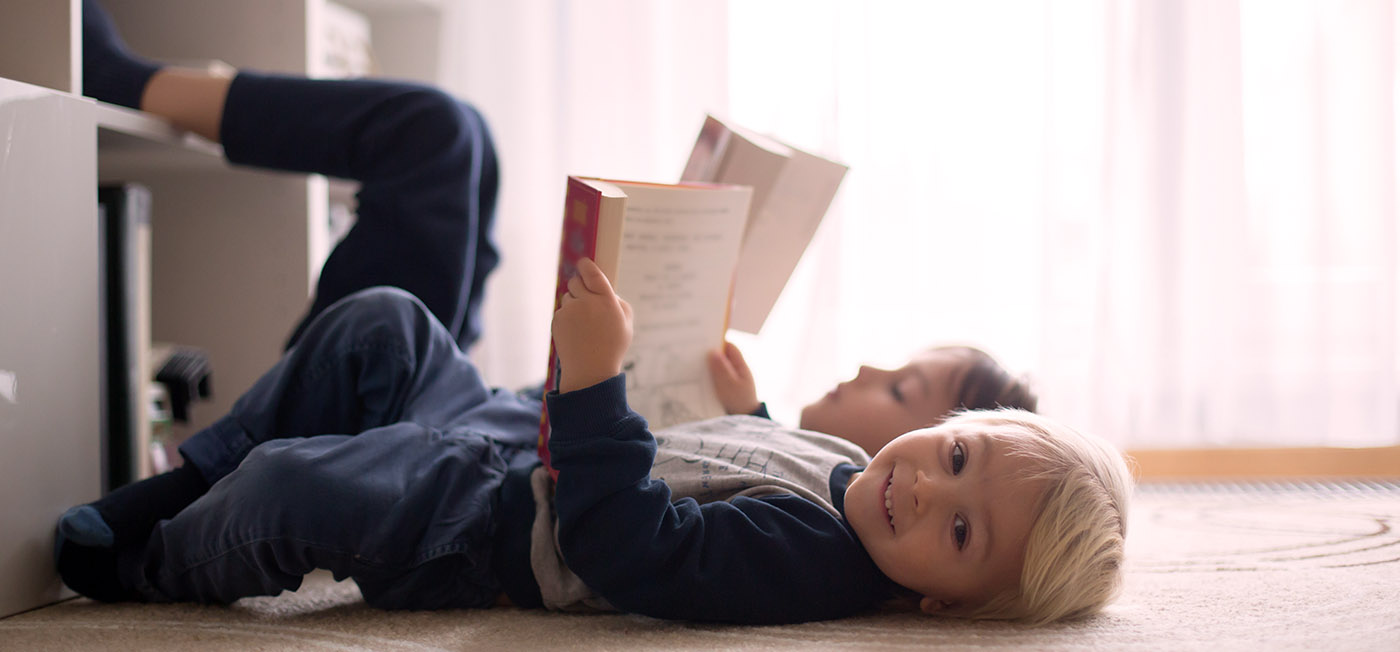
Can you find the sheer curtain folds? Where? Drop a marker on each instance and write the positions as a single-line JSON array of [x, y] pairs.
[[1177, 217], [1229, 252]]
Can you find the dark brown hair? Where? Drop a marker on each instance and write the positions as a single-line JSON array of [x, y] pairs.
[[985, 385]]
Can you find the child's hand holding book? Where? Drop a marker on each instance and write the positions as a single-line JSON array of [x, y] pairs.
[[592, 329], [733, 381]]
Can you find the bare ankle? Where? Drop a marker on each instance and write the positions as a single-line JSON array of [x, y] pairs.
[[190, 98]]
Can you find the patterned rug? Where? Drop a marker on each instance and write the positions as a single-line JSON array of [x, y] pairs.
[[1212, 567]]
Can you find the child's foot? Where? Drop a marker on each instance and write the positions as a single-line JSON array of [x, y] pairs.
[[127, 515], [88, 537], [111, 73], [91, 571]]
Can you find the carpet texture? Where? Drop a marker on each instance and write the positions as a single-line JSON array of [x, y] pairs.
[[1227, 567]]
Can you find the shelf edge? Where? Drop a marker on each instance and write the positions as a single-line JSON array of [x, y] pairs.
[[152, 129]]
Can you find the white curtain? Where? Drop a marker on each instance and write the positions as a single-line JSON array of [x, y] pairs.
[[1178, 218], [1220, 226], [611, 88]]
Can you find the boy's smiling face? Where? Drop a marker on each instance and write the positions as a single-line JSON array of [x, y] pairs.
[[946, 513]]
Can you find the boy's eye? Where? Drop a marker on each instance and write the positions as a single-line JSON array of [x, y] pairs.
[[960, 531], [959, 458], [898, 395]]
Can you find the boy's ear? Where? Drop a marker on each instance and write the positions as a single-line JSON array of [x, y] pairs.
[[932, 606]]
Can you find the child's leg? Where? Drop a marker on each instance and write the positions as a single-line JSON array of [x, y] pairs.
[[189, 98], [427, 168], [406, 511], [111, 73], [375, 358], [426, 163]]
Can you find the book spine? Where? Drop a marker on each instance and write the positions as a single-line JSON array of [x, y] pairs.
[[578, 239]]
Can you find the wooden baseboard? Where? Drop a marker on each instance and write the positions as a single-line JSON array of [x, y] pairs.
[[1256, 463]]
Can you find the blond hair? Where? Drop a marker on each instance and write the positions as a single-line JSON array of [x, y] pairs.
[[1074, 555]]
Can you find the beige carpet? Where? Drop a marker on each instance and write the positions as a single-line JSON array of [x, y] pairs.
[[1212, 568]]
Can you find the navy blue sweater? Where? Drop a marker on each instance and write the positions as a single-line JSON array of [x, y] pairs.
[[773, 559]]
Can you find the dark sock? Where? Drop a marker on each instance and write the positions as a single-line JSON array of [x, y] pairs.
[[131, 511], [111, 73], [90, 538], [92, 572], [127, 515]]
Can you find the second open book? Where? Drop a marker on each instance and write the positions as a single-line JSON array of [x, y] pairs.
[[683, 255]]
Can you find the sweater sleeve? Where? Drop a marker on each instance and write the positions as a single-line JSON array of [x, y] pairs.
[[774, 559]]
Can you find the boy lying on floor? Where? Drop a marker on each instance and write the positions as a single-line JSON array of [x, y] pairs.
[[373, 449]]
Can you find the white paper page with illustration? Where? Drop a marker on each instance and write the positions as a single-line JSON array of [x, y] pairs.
[[676, 268]]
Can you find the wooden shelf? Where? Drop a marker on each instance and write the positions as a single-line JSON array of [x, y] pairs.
[[1254, 463]]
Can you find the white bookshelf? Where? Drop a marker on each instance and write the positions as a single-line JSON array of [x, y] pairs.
[[235, 252], [50, 355], [130, 140]]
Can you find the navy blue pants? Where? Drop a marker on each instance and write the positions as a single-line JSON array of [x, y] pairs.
[[428, 182], [372, 449]]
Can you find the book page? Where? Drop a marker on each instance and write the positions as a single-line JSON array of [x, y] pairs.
[[778, 233], [708, 152], [679, 249], [792, 190]]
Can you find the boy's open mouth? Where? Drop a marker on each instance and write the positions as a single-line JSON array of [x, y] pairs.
[[889, 500]]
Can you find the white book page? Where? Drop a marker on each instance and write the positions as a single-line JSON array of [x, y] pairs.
[[792, 191], [679, 248], [778, 233]]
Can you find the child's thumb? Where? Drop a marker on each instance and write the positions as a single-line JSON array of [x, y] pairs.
[[593, 277], [735, 358]]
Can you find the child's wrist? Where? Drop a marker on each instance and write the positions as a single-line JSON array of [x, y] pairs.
[[589, 410], [744, 408], [584, 378]]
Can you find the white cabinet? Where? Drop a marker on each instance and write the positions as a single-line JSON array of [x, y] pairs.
[[234, 252], [50, 364]]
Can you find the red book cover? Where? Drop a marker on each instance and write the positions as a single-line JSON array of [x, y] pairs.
[[578, 239]]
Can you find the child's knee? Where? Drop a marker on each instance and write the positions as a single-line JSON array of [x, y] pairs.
[[379, 301], [440, 126], [380, 311]]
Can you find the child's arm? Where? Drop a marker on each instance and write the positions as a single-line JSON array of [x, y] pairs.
[[734, 383], [772, 559], [778, 558]]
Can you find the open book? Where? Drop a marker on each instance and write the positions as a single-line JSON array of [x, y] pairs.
[[792, 190], [669, 251]]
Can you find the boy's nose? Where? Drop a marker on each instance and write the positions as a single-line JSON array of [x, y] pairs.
[[867, 371], [926, 491]]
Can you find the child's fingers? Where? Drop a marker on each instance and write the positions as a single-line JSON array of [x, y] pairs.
[[593, 277], [575, 288], [736, 360], [719, 364]]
